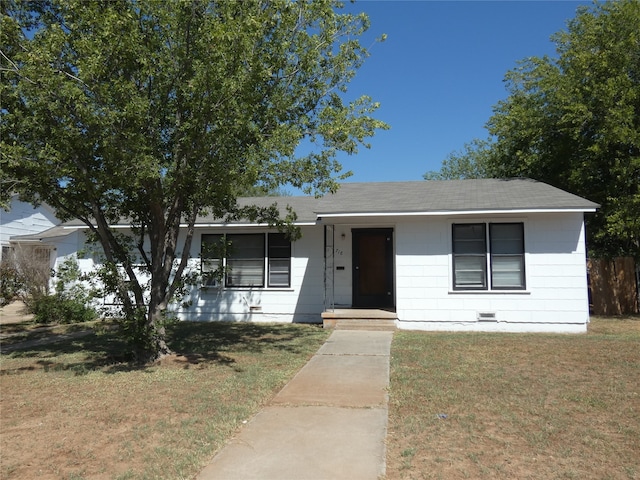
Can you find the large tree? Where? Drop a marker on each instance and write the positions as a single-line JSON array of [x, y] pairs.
[[471, 162], [156, 111], [574, 121]]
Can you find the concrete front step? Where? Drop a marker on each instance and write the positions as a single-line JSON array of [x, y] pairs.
[[359, 324], [359, 319]]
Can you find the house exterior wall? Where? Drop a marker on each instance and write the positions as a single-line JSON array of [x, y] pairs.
[[302, 302], [23, 219], [555, 297], [342, 266]]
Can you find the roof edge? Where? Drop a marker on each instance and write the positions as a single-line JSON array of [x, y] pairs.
[[456, 212]]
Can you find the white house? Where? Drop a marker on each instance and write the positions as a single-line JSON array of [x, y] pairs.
[[472, 255], [23, 219]]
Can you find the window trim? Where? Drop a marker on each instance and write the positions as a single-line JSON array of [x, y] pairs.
[[483, 255], [229, 277], [269, 257], [266, 266], [489, 257], [521, 256]]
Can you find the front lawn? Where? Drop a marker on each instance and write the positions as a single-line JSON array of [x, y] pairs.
[[485, 406], [461, 405], [75, 410]]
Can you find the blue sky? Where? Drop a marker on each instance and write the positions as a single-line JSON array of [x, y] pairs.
[[440, 72]]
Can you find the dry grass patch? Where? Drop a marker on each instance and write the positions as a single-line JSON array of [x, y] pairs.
[[74, 410], [515, 405], [28, 331]]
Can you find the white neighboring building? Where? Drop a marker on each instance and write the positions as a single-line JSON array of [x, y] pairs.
[[25, 219], [462, 255]]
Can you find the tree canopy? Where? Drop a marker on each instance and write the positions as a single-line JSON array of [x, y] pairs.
[[469, 163], [157, 111], [574, 121]]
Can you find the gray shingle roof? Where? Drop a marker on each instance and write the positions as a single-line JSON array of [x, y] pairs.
[[420, 197], [449, 196], [304, 207]]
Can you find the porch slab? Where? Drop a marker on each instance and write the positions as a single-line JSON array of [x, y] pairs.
[[359, 313], [359, 319]]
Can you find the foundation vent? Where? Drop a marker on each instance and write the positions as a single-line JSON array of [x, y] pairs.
[[486, 316]]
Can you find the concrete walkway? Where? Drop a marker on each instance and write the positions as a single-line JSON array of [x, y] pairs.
[[328, 422]]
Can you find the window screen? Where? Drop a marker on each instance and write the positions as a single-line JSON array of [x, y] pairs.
[[212, 252], [279, 260], [245, 260], [469, 256], [507, 255]]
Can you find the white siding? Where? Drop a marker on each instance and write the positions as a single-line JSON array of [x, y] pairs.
[[302, 302], [555, 298], [342, 266], [23, 219]]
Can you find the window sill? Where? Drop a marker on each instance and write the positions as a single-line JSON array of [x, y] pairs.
[[247, 289], [489, 292]]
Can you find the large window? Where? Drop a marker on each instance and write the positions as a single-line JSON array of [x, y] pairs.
[[245, 261], [498, 250], [239, 260]]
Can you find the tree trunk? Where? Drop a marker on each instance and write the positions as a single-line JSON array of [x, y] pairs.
[[158, 347]]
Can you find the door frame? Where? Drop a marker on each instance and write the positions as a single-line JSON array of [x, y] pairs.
[[380, 301]]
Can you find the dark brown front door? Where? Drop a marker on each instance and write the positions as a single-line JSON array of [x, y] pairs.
[[373, 268]]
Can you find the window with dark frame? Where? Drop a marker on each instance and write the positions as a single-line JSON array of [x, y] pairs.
[[242, 256], [279, 260], [507, 256], [469, 256], [245, 260], [6, 253], [211, 252], [498, 249]]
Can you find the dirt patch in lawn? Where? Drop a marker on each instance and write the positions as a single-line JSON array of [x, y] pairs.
[[14, 312]]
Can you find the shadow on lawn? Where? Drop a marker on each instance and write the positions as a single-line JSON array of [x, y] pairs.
[[192, 342], [198, 342]]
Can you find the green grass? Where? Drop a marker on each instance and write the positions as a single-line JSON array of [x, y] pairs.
[[516, 406], [74, 410]]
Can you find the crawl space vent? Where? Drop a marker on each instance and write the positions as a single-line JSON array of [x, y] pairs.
[[486, 316]]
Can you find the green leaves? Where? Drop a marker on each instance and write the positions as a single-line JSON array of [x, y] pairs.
[[152, 95], [574, 122], [469, 163], [156, 111]]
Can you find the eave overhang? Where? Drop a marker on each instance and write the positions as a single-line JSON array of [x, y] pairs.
[[447, 213]]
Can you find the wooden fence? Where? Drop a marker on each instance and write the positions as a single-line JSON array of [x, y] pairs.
[[613, 286]]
